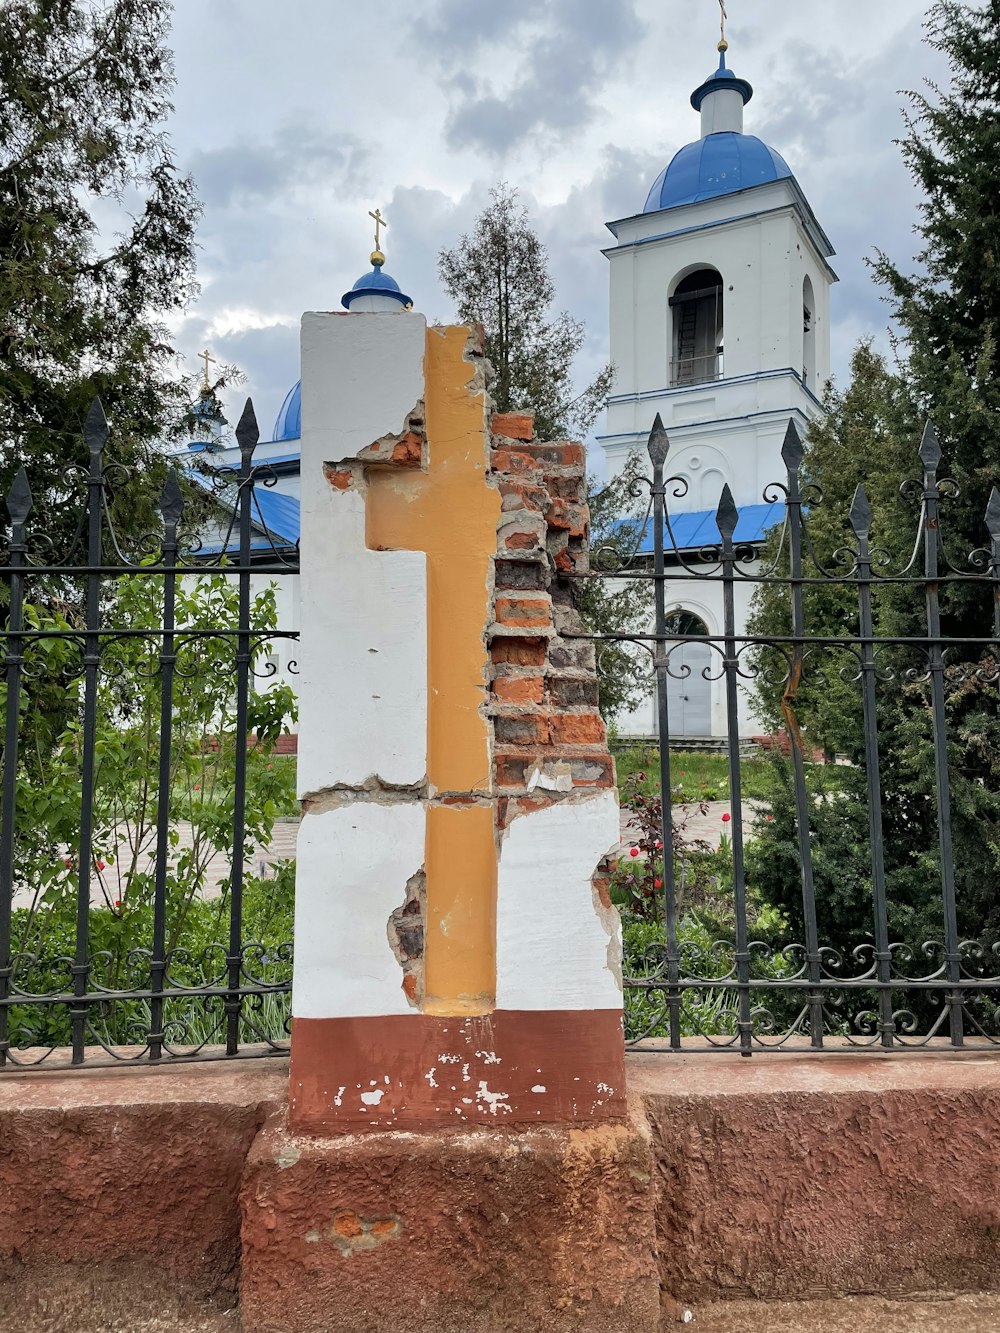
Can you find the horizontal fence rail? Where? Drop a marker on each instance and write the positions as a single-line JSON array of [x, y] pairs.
[[141, 707], [720, 969]]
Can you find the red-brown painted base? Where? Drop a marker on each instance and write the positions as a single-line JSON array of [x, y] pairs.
[[454, 1231], [415, 1071]]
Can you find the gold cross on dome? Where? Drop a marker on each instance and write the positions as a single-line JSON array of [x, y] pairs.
[[207, 357], [380, 222]]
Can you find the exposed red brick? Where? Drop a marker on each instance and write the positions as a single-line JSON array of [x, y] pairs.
[[519, 652], [347, 1224], [341, 481], [410, 985], [519, 689], [409, 452], [522, 541], [577, 728], [524, 495], [567, 517], [513, 461], [513, 425], [510, 768], [532, 612], [558, 453]]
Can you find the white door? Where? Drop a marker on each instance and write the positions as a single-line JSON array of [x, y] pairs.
[[689, 700]]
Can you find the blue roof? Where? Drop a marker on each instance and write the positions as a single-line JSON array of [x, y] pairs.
[[288, 425], [280, 514], [375, 283], [689, 532], [717, 165], [721, 80], [276, 518]]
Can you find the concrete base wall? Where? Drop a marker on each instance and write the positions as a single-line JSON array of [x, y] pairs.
[[774, 1178]]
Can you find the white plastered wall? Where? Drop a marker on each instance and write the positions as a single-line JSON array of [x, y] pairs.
[[556, 947], [363, 674], [363, 650]]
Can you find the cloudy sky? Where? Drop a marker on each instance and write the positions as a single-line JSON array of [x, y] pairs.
[[296, 118]]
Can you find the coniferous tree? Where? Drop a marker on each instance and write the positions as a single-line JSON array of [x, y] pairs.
[[948, 318], [499, 277], [84, 95]]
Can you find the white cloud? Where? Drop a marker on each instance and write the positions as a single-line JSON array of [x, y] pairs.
[[299, 118]]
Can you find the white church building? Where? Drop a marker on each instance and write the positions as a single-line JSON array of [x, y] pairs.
[[720, 322]]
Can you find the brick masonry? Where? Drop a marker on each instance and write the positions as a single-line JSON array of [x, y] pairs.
[[549, 739]]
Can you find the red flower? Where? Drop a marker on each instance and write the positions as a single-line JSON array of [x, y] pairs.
[[68, 862], [726, 819], [658, 883], [770, 819], [197, 786], [118, 902], [634, 851], [659, 844], [100, 865]]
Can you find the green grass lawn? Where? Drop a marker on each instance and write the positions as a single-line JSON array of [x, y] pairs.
[[705, 777]]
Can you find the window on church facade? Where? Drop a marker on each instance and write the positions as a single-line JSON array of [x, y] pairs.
[[696, 309]]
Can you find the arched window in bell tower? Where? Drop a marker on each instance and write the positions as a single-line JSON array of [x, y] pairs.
[[696, 310], [808, 335]]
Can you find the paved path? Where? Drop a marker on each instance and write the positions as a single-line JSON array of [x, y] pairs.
[[709, 827]]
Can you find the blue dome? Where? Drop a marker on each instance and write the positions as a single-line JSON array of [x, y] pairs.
[[375, 283], [288, 426], [717, 165]]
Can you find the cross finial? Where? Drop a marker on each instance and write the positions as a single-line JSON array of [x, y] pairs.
[[380, 222], [207, 357], [723, 44]]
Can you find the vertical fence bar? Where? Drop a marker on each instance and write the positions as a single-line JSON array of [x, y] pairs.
[[792, 454], [861, 518], [171, 508], [659, 447], [247, 435], [95, 432], [726, 519], [930, 457], [18, 508], [993, 528]]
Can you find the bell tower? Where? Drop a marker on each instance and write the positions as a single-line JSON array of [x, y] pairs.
[[720, 307]]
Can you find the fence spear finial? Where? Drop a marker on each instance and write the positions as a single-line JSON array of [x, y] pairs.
[[993, 515], [659, 442], [792, 451], [19, 499], [247, 432], [930, 448], [861, 514], [95, 428], [727, 515], [171, 501]]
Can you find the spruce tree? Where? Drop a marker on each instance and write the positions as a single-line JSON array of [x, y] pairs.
[[84, 97], [498, 277], [948, 319]]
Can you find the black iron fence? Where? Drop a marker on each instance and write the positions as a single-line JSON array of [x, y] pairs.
[[850, 904], [143, 702]]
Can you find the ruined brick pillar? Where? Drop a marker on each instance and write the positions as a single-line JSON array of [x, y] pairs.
[[457, 960]]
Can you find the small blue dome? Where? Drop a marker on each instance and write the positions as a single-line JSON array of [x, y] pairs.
[[717, 165], [721, 80], [288, 426], [375, 283]]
